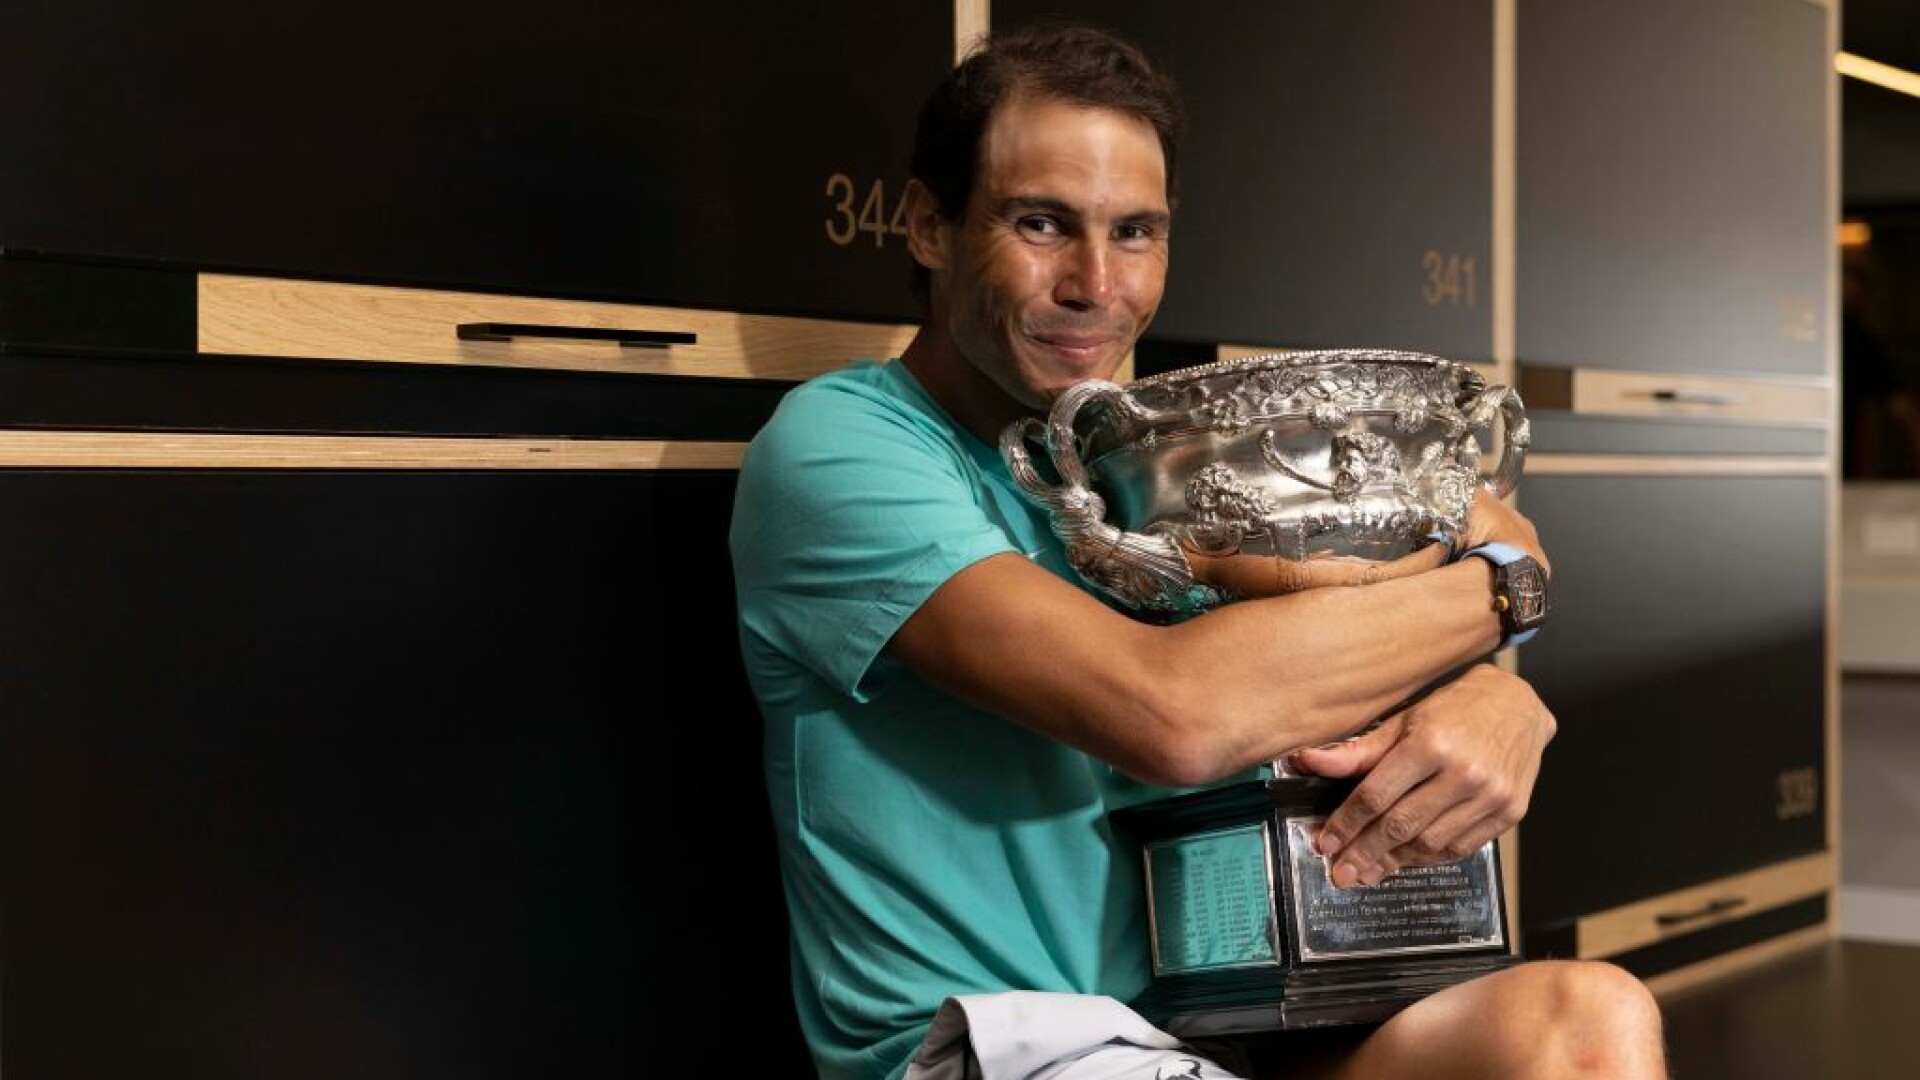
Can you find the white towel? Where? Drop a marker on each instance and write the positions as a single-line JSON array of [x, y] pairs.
[[1027, 1035]]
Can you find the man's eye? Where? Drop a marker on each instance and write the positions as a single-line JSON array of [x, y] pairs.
[[1039, 226], [1134, 232]]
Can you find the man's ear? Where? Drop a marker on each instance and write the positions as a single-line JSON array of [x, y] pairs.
[[929, 236]]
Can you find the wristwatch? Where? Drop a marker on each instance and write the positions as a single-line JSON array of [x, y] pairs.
[[1519, 590]]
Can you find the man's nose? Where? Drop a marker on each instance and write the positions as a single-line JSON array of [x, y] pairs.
[[1086, 278]]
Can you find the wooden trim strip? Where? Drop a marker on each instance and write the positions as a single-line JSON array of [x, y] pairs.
[[98, 450], [1664, 396], [1651, 465], [1505, 278], [283, 317], [1741, 960], [1242, 352], [1835, 452], [971, 21], [1639, 924]]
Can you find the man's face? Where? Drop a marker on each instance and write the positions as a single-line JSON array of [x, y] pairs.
[[1059, 263]]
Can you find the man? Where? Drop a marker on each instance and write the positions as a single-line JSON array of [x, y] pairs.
[[950, 714]]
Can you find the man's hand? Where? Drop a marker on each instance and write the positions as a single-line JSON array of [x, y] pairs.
[[1490, 519], [1442, 777]]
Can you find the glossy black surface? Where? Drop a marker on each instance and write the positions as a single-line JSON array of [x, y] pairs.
[[677, 154], [380, 775], [103, 390], [1685, 662], [90, 305], [1672, 186]]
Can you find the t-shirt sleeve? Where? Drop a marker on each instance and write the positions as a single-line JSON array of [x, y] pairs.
[[848, 516]]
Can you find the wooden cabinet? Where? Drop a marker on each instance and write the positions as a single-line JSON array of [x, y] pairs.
[[1674, 202], [1336, 181], [686, 154]]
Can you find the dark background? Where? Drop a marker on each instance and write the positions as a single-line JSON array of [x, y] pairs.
[[1880, 188]]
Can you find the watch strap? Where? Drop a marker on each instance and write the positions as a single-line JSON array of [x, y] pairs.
[[1499, 555]]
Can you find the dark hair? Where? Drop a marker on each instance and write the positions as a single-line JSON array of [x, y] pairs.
[[1084, 65]]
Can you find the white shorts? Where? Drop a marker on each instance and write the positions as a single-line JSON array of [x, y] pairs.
[[1026, 1035]]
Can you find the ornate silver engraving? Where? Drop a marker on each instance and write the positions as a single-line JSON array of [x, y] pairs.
[[1363, 453]]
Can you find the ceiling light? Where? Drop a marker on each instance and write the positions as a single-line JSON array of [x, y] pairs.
[[1893, 78]]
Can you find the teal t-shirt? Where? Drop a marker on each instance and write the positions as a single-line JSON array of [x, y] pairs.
[[927, 848]]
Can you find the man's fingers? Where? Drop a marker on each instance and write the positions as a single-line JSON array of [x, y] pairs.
[[1453, 836], [1389, 781], [1382, 846]]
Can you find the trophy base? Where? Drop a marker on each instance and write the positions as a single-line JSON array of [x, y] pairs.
[[1298, 999], [1249, 934]]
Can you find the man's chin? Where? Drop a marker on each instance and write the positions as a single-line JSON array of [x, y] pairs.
[[1107, 367]]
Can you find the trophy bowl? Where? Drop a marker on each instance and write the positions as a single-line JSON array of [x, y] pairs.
[[1360, 454]]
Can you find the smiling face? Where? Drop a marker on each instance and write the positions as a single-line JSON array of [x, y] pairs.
[[1055, 269]]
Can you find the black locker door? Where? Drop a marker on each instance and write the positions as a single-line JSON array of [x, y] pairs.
[[1672, 186], [743, 157], [380, 774], [1337, 179], [1686, 665]]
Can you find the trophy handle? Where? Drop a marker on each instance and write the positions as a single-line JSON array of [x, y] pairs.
[[1142, 571], [1062, 438], [1516, 434]]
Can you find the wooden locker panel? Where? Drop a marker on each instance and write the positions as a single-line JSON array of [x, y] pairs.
[[1336, 181], [1672, 185], [324, 774], [679, 153], [281, 317], [1685, 661]]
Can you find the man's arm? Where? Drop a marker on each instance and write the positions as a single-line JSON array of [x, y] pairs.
[[1247, 682], [1198, 701]]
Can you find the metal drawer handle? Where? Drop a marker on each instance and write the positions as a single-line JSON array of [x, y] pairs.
[[633, 339], [1718, 906], [1684, 396]]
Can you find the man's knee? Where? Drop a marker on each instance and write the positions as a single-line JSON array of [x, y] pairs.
[[1545, 1018], [1606, 990], [1597, 1018]]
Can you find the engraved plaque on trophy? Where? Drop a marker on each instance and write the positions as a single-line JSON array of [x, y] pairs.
[[1276, 461]]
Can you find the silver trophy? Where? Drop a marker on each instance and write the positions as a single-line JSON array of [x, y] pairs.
[[1252, 471], [1344, 453]]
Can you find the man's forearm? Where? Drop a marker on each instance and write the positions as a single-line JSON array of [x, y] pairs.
[[1270, 675]]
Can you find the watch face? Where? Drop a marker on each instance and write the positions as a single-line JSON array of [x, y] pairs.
[[1527, 591]]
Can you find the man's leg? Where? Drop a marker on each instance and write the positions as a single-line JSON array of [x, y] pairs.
[[1545, 1020]]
